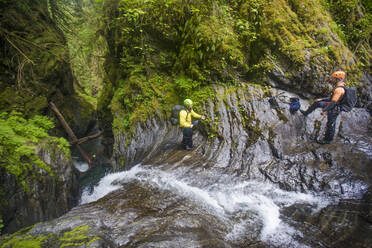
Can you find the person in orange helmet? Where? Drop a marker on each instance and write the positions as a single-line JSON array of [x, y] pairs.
[[330, 105]]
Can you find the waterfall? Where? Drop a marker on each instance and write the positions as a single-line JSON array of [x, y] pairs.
[[231, 199]]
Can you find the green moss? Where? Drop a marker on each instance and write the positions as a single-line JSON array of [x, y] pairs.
[[250, 124], [89, 99], [317, 125], [267, 91], [121, 159], [353, 24], [103, 105], [211, 127], [272, 134], [87, 108], [25, 242], [139, 92], [21, 239], [87, 47], [22, 101], [1, 223], [202, 96], [138, 98], [36, 105], [281, 115], [166, 51], [77, 237]]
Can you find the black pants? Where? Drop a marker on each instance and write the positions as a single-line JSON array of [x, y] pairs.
[[331, 118], [187, 137]]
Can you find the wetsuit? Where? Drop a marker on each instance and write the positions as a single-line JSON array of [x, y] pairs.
[[333, 110]]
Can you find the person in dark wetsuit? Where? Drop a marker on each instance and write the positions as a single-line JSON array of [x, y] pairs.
[[330, 105]]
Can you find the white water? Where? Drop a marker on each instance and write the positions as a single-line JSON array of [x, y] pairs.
[[80, 166], [365, 148], [226, 200], [106, 185]]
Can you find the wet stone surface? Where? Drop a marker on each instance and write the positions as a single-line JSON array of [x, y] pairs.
[[260, 181]]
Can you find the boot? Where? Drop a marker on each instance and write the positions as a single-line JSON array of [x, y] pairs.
[[303, 112], [188, 148], [323, 142]]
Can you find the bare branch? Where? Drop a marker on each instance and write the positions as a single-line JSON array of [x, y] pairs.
[[19, 50]]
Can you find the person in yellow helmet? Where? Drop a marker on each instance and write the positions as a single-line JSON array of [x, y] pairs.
[[187, 124], [330, 105]]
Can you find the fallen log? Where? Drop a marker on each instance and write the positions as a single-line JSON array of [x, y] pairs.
[[70, 133], [85, 139]]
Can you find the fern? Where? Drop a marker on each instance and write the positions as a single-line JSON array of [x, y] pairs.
[[18, 137]]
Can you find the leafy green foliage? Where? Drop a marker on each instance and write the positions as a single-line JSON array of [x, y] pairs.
[[137, 98], [86, 45], [34, 60], [18, 138], [186, 86], [353, 23], [188, 46]]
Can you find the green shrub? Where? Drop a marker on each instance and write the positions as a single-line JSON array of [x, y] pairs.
[[186, 85], [188, 46], [18, 138]]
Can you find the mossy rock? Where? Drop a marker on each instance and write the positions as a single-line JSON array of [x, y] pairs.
[[36, 105], [248, 42], [79, 236]]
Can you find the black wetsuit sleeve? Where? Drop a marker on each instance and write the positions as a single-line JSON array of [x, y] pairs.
[[330, 106], [327, 99]]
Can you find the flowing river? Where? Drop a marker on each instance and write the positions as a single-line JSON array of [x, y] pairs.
[[245, 209], [306, 195], [312, 196]]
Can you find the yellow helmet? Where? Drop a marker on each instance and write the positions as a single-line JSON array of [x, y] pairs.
[[187, 102]]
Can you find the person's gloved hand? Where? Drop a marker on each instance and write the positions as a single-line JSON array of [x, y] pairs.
[[191, 125], [203, 117]]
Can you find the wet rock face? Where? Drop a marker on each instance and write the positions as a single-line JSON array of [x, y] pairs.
[[257, 179], [181, 200], [149, 137], [256, 135], [264, 142], [252, 128], [49, 196]]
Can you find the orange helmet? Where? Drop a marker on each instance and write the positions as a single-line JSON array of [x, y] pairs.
[[339, 74]]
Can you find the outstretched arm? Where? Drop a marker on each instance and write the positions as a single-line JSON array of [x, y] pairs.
[[336, 96], [195, 115]]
